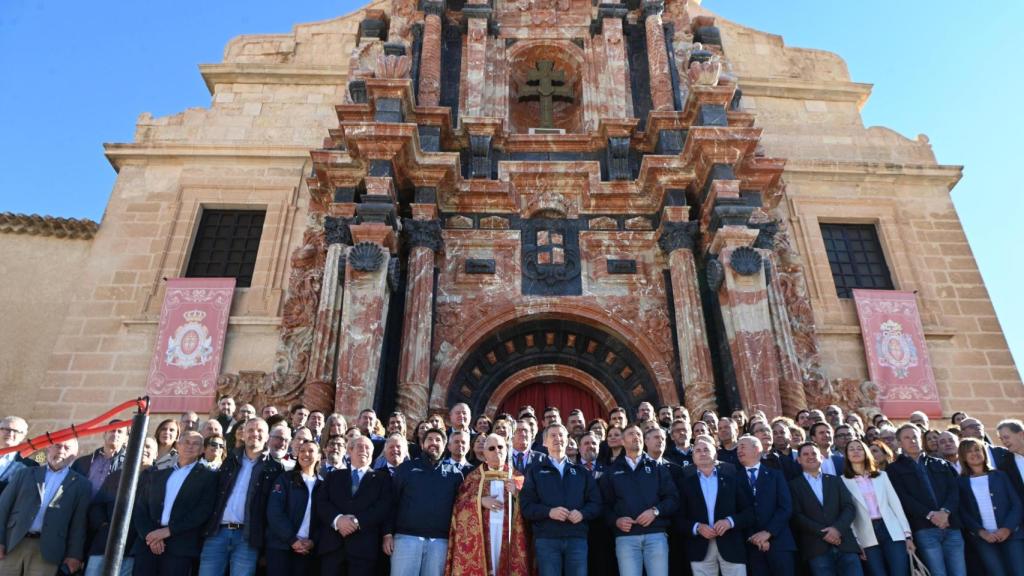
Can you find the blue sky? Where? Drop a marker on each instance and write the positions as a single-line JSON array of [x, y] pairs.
[[76, 74]]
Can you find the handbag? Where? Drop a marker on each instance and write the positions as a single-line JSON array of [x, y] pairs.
[[917, 567]]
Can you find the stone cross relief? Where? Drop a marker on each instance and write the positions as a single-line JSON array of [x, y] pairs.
[[545, 85]]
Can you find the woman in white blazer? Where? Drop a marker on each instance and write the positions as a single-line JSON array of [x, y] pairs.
[[880, 526]]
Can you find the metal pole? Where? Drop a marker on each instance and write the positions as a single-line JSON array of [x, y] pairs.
[[121, 522]]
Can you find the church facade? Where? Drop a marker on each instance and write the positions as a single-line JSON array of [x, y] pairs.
[[493, 203]]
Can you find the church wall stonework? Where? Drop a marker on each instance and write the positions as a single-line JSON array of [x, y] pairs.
[[275, 98]]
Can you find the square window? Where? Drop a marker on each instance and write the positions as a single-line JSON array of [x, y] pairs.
[[226, 245], [542, 238], [856, 258]]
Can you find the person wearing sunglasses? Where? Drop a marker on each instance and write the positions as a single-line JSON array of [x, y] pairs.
[[214, 449]]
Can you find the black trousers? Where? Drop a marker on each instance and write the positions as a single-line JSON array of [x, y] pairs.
[[341, 564], [149, 564], [288, 563]]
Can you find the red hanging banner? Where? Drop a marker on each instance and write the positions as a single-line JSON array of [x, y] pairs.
[[896, 352], [189, 344]]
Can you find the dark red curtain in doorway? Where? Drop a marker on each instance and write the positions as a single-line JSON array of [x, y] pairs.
[[561, 394]]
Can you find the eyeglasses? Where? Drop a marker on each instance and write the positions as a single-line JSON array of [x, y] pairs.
[[217, 445], [495, 448], [12, 430]]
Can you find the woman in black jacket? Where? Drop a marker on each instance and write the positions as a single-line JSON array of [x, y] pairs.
[[291, 529]]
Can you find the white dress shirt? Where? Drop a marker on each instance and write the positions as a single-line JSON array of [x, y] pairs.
[[817, 486], [303, 532], [174, 484]]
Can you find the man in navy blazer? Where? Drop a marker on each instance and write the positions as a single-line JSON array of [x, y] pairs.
[[43, 515], [522, 439], [352, 507], [832, 462], [714, 512], [930, 495], [171, 512], [770, 544], [1011, 434]]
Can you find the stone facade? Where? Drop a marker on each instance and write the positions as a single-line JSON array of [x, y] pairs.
[[449, 218]]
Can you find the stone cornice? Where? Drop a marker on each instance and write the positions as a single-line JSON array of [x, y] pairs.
[[119, 154], [837, 171], [38, 225], [837, 91], [245, 73]]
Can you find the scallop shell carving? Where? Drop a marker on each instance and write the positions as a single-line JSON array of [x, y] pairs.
[[366, 257], [745, 261]]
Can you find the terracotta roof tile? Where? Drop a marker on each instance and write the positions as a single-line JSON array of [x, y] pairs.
[[35, 224]]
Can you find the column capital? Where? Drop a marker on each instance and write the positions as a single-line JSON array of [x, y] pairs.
[[426, 233], [676, 235], [337, 231]]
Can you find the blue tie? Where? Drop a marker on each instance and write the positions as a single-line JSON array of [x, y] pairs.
[[356, 477], [753, 478]]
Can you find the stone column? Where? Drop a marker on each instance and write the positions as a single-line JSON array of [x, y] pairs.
[[477, 22], [743, 296], [657, 56], [319, 390], [363, 319], [424, 240], [430, 56], [677, 240]]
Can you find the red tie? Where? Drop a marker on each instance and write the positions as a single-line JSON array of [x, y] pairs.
[[590, 466]]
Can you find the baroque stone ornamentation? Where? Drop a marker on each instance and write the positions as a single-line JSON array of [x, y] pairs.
[[337, 230], [426, 233], [366, 257], [714, 273], [394, 273], [745, 261], [676, 235], [256, 388]]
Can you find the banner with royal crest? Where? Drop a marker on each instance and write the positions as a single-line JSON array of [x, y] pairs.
[[896, 352], [189, 344]]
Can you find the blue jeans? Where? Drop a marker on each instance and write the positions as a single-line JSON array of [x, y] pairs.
[[942, 551], [888, 558], [1000, 559], [561, 556], [228, 548], [836, 563], [94, 567], [642, 552], [416, 556]]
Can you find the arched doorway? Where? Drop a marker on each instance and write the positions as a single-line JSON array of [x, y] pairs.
[[563, 394]]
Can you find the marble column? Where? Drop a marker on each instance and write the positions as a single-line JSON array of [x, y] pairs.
[[424, 241], [677, 239], [657, 56], [743, 297], [477, 21], [363, 319], [319, 391], [430, 57]]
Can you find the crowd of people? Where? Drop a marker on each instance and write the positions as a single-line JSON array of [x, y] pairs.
[[823, 493]]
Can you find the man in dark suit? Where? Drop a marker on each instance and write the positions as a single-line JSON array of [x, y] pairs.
[[713, 514], [927, 488], [823, 511], [770, 544], [522, 440], [679, 452], [12, 433], [352, 507], [43, 516], [171, 511], [1011, 434], [831, 462]]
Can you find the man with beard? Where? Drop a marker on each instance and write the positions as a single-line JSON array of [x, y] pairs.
[[226, 414], [644, 412], [576, 424], [334, 454], [665, 417], [278, 443], [416, 537], [728, 431]]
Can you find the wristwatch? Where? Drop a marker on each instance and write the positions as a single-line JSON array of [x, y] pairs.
[[656, 511]]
